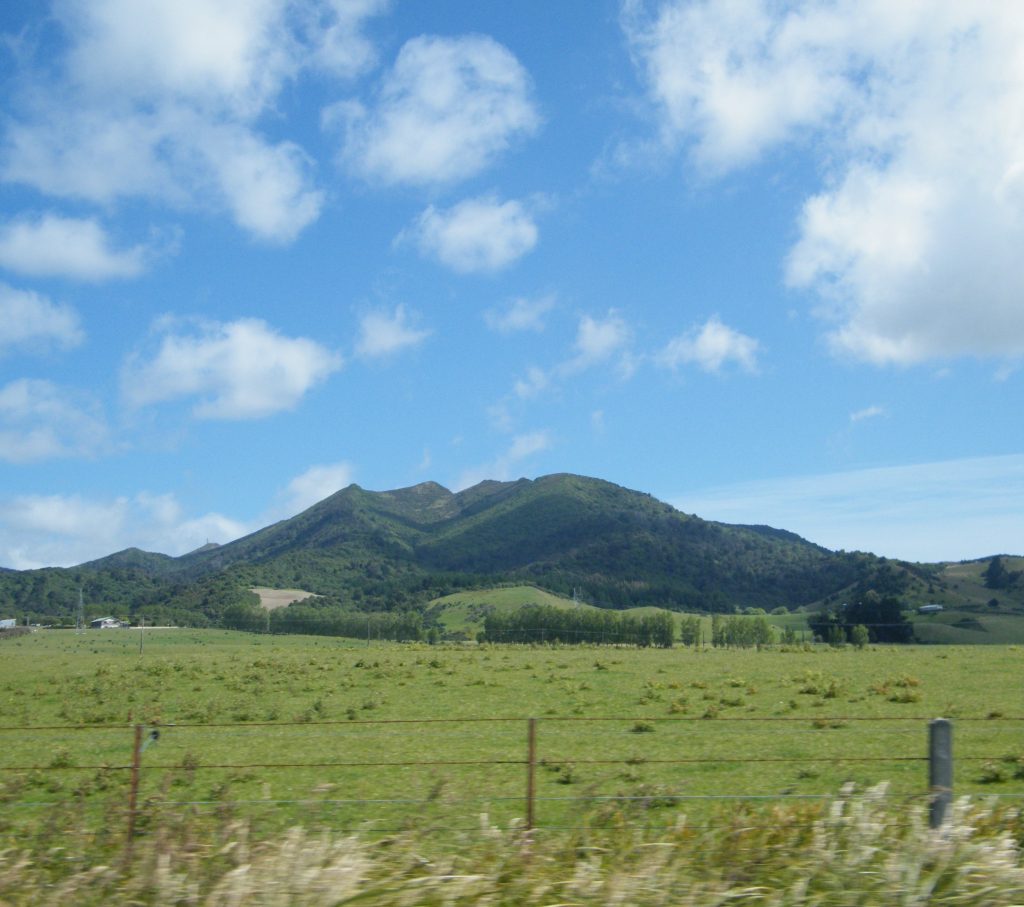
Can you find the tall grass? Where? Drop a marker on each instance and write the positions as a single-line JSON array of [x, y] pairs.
[[861, 850]]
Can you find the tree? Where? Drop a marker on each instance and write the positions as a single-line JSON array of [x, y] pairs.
[[998, 577], [881, 615], [859, 636], [996, 574]]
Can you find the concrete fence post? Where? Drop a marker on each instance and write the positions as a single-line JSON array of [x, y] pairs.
[[940, 770]]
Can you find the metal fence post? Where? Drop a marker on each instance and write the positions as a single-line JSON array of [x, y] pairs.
[[531, 766], [133, 790], [940, 769]]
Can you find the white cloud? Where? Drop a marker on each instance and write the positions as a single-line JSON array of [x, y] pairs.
[[914, 111], [869, 412], [28, 319], [315, 484], [267, 188], [710, 347], [55, 246], [522, 447], [597, 340], [163, 100], [479, 234], [240, 370], [534, 383], [339, 45], [227, 53], [64, 530], [382, 334], [521, 314], [951, 510], [444, 112], [40, 420]]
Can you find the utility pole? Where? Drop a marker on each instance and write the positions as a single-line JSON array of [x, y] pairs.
[[80, 616]]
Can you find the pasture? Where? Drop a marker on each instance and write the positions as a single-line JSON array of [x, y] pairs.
[[335, 733]]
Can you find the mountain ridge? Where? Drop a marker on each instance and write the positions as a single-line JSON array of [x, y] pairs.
[[397, 549]]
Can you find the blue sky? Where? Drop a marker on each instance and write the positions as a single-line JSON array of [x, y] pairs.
[[761, 260]]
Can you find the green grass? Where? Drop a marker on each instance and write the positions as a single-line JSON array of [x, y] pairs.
[[958, 627], [464, 612], [673, 723]]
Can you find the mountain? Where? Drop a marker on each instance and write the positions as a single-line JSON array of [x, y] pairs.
[[398, 549]]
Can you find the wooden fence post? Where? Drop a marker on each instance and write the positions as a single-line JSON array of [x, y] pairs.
[[531, 766], [940, 769], [133, 790]]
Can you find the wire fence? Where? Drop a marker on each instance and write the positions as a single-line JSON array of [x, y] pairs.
[[551, 773]]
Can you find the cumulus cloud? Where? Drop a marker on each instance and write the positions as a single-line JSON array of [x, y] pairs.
[[710, 347], [55, 246], [28, 319], [500, 469], [40, 420], [479, 234], [521, 314], [267, 188], [915, 112], [444, 112], [240, 370], [64, 530], [315, 484], [382, 333], [339, 46], [597, 340], [163, 100]]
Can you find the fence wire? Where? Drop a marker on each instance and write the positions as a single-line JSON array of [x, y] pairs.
[[486, 792]]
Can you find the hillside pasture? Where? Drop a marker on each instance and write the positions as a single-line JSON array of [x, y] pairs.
[[960, 627], [965, 585]]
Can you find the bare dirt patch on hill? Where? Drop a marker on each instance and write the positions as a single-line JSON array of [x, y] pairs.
[[279, 598]]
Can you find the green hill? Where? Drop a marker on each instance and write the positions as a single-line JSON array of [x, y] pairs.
[[398, 550], [620, 547]]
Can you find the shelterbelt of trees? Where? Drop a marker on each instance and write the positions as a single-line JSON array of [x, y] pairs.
[[540, 623]]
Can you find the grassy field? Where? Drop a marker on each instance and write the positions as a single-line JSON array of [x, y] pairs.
[[425, 747], [269, 727]]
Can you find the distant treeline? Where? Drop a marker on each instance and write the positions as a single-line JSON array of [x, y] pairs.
[[401, 626], [543, 623]]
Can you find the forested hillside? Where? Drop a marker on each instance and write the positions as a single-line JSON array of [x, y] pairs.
[[395, 551]]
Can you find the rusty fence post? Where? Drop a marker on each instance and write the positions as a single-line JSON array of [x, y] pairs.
[[531, 769], [133, 789], [940, 770]]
